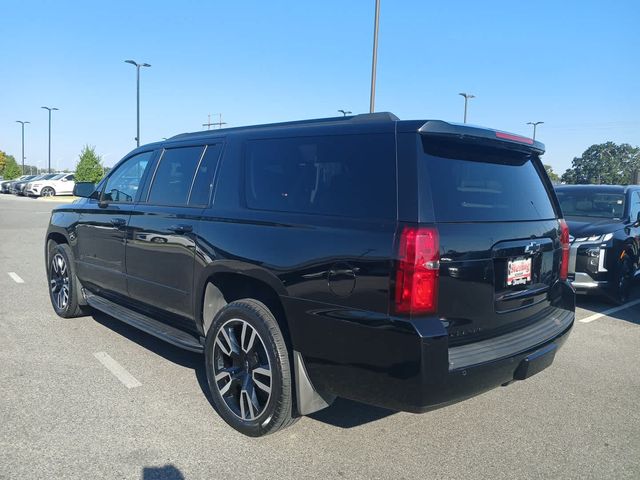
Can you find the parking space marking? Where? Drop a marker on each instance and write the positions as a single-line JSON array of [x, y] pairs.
[[118, 370], [596, 316], [15, 277]]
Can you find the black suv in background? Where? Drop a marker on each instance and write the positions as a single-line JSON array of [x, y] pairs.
[[404, 264], [604, 221]]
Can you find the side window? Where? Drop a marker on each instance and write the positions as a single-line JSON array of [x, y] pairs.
[[203, 183], [122, 185], [635, 206], [346, 175], [70, 178], [174, 176]]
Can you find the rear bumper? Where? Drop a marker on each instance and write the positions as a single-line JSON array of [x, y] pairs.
[[473, 379], [408, 365]]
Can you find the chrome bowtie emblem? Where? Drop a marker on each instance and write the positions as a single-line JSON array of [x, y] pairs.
[[533, 247]]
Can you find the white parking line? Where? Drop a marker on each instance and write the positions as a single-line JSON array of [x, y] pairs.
[[15, 277], [596, 316], [118, 370]]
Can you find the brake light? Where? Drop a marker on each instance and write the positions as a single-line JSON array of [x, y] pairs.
[[564, 242], [416, 290], [514, 138]]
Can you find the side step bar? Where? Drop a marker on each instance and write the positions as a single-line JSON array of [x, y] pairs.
[[147, 324]]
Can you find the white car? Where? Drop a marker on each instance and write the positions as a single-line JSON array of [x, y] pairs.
[[61, 184]]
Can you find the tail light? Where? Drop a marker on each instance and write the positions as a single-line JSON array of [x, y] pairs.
[[564, 241], [416, 289]]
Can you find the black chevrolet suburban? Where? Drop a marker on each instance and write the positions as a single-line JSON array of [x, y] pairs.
[[404, 264]]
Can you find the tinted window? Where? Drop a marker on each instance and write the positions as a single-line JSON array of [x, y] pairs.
[[122, 185], [592, 203], [174, 175], [482, 184], [635, 206], [349, 175], [203, 183]]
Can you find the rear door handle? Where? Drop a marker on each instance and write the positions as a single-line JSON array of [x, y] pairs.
[[181, 229], [118, 222]]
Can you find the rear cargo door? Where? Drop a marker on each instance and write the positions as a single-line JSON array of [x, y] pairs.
[[499, 235]]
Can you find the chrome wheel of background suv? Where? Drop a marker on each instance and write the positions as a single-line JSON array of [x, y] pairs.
[[242, 369], [59, 282]]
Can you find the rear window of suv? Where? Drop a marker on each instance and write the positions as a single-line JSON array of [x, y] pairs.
[[480, 184]]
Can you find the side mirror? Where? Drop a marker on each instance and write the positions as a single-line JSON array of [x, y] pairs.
[[84, 189]]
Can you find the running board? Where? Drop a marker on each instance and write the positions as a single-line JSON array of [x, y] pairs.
[[147, 324]]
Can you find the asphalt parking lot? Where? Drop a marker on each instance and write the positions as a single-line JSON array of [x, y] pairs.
[[94, 398]]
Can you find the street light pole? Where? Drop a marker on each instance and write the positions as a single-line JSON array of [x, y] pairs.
[[345, 112], [535, 124], [50, 109], [22, 123], [466, 96], [374, 62], [137, 65]]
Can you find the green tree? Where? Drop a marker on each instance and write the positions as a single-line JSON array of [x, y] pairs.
[[89, 167], [606, 163], [553, 176], [11, 169], [4, 159]]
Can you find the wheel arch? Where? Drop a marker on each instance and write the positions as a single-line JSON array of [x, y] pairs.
[[53, 237], [228, 281]]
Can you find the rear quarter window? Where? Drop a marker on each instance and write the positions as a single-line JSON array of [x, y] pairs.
[[479, 184], [345, 175]]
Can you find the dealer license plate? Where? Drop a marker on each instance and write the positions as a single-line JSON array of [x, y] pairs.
[[519, 271]]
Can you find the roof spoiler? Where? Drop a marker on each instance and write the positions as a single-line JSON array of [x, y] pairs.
[[479, 135]]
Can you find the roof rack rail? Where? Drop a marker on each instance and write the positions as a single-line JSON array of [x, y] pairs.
[[363, 117]]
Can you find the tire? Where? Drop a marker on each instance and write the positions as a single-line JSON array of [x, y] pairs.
[[624, 282], [63, 288], [47, 192], [248, 369]]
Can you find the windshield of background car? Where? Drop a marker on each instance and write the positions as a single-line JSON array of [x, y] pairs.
[[471, 183], [591, 203], [58, 177]]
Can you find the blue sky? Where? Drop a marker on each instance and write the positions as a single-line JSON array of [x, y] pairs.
[[572, 64]]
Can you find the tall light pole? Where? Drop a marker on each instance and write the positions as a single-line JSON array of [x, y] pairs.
[[345, 112], [535, 124], [374, 62], [22, 123], [466, 96], [50, 109], [137, 65]]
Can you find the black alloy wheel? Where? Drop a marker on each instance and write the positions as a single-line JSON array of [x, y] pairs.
[[247, 363], [59, 282], [63, 289], [242, 369]]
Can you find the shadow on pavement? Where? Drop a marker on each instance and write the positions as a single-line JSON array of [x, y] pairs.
[[168, 472], [348, 414], [629, 312], [173, 354], [343, 413]]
